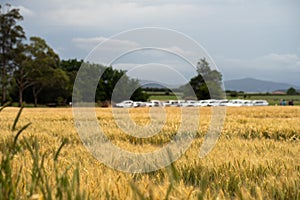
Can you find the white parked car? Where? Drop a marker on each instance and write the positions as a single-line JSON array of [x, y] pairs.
[[235, 103], [260, 103], [139, 104], [209, 102], [125, 104], [247, 103], [189, 103], [154, 103], [203, 103], [223, 102], [149, 104], [157, 103], [173, 103]]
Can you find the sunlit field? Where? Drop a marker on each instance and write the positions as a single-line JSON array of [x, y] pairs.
[[257, 156]]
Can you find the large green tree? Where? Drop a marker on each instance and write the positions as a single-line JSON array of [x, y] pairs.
[[22, 72], [121, 86], [207, 83], [106, 85], [11, 34], [45, 71], [71, 67]]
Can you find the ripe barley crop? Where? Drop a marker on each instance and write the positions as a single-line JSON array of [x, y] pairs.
[[256, 157]]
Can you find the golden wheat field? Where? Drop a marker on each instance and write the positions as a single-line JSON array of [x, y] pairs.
[[256, 157]]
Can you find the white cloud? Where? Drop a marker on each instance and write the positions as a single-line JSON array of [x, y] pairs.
[[122, 14], [281, 58], [114, 44], [109, 14], [104, 49], [180, 51], [271, 61]]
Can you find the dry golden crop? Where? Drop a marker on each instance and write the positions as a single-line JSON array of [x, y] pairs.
[[256, 157]]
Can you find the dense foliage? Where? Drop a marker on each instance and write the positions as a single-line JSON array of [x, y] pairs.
[[207, 83], [11, 35]]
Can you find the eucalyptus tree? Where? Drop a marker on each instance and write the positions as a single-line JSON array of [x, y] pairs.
[[11, 34], [44, 67], [207, 83]]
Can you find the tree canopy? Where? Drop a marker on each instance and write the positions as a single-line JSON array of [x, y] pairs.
[[207, 83], [107, 88]]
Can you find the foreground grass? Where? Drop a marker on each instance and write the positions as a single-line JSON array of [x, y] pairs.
[[257, 156]]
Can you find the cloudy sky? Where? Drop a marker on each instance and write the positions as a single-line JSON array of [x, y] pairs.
[[254, 38]]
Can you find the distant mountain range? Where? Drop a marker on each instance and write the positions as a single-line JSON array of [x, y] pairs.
[[245, 84], [256, 85]]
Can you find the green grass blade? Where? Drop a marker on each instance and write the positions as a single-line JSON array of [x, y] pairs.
[[17, 119], [65, 141], [19, 133], [4, 106]]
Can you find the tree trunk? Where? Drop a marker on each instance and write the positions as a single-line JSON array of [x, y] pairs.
[[20, 96], [35, 100], [35, 96], [36, 92]]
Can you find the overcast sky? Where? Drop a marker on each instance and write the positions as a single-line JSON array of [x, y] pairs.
[[254, 38]]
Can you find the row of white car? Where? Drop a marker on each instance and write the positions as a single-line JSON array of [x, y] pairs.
[[192, 103]]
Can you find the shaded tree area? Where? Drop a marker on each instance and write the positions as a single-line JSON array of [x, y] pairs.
[[114, 85], [206, 85], [53, 84], [31, 71], [37, 75], [11, 36]]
